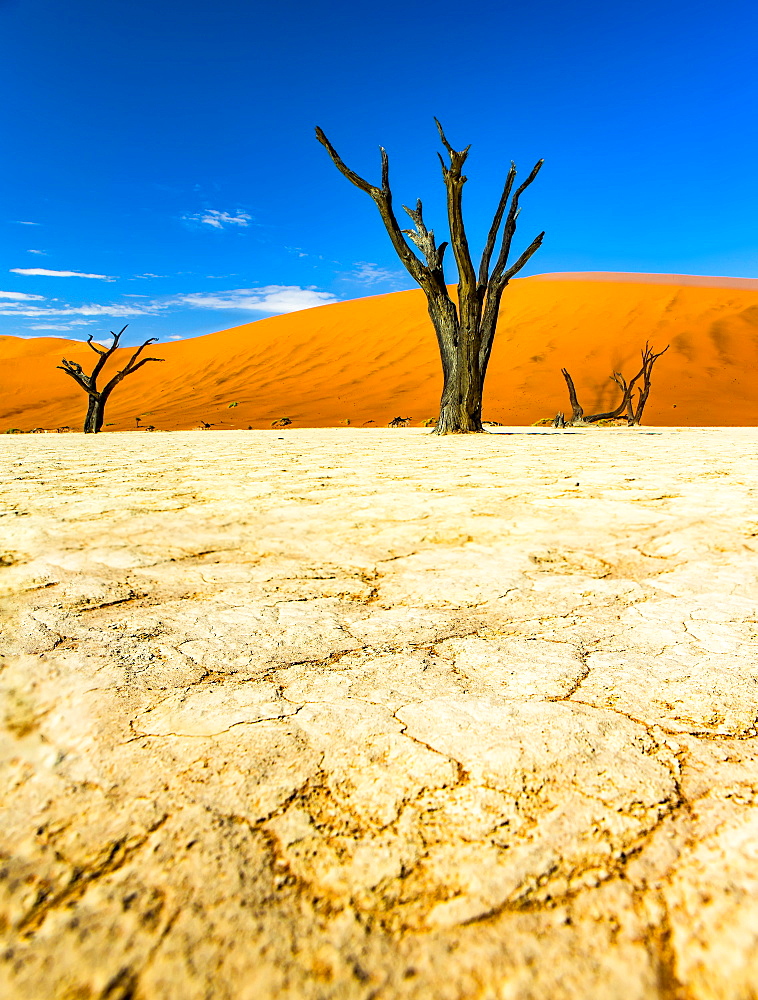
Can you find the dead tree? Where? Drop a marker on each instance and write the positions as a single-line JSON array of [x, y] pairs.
[[466, 330], [99, 397], [399, 422], [633, 413], [577, 413], [648, 360]]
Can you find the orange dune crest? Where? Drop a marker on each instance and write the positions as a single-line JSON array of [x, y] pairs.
[[369, 360]]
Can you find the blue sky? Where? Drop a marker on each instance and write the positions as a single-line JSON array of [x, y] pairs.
[[160, 158]]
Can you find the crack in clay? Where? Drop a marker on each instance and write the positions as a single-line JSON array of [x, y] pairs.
[[309, 922], [216, 732], [119, 854]]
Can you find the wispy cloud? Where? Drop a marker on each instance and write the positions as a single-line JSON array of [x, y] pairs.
[[20, 296], [20, 222], [366, 273], [149, 274], [268, 300], [73, 325], [43, 271], [271, 299], [113, 309], [299, 252], [219, 220], [42, 253]]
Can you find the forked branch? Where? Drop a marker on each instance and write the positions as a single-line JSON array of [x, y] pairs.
[[489, 246], [499, 274], [454, 181], [424, 238]]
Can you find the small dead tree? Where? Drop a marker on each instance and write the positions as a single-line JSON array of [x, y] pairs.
[[466, 330], [627, 405], [648, 360], [99, 397]]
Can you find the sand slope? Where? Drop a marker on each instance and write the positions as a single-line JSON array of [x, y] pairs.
[[376, 358]]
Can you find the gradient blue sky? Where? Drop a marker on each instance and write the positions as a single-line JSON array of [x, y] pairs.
[[166, 149]]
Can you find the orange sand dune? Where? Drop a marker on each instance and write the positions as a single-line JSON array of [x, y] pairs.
[[369, 360]]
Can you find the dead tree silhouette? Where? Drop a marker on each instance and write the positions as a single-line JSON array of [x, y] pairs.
[[99, 397], [399, 422], [465, 330], [627, 405]]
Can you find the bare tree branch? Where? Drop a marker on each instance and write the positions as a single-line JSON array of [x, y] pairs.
[[424, 238], [96, 349], [489, 246], [76, 372], [529, 252], [105, 354], [454, 182], [509, 228], [345, 170], [383, 198], [453, 155], [126, 371], [648, 360]]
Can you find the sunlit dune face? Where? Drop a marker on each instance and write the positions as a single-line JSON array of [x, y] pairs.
[[370, 360]]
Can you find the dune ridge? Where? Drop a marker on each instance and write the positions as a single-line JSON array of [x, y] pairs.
[[368, 360]]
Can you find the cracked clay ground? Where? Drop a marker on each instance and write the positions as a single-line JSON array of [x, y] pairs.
[[362, 714]]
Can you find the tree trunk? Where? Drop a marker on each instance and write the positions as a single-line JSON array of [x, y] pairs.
[[463, 381], [577, 413], [629, 412], [95, 414]]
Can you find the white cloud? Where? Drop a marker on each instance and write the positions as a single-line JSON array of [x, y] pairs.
[[20, 309], [59, 326], [219, 220], [147, 274], [42, 253], [59, 274], [371, 274], [19, 222], [271, 299], [299, 252]]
